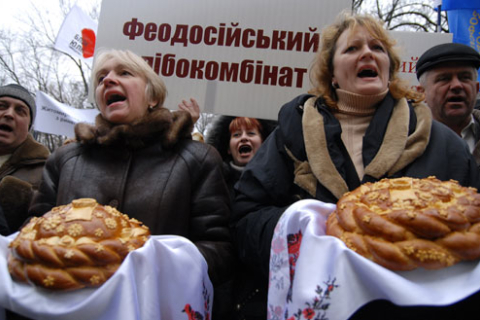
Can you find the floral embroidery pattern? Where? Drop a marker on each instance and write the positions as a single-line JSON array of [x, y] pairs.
[[195, 315], [290, 297], [317, 309], [294, 241]]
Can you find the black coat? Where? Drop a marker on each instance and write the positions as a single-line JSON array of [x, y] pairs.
[[281, 173], [4, 229], [247, 294], [153, 172]]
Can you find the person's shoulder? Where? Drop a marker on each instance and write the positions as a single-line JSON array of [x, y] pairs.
[[294, 107], [198, 150], [446, 136], [31, 148], [476, 115], [291, 113], [440, 128], [67, 151]]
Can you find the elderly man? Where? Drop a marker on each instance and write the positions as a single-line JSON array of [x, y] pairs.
[[21, 157], [448, 76]]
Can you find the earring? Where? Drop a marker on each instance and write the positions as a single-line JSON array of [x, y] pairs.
[[150, 108], [334, 85]]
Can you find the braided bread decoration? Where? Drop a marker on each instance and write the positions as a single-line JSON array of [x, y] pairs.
[[406, 223], [74, 246]]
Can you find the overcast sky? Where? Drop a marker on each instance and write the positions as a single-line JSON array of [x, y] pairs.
[[11, 11]]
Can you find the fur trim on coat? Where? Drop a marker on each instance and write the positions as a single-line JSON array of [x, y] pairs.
[[159, 123]]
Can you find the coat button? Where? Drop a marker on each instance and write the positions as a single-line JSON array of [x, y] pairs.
[[113, 203]]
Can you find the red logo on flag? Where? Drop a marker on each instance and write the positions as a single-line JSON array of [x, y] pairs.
[[88, 42]]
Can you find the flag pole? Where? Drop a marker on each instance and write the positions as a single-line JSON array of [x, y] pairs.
[[439, 18]]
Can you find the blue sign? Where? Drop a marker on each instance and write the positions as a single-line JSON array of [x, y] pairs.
[[465, 26], [460, 4]]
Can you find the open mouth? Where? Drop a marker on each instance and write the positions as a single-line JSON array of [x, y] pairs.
[[455, 99], [367, 73], [115, 98], [245, 149], [4, 127]]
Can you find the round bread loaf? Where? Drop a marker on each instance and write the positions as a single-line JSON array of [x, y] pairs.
[[74, 246], [406, 223]]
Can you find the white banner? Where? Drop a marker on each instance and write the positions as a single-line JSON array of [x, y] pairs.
[[411, 45], [77, 35], [240, 58], [57, 118]]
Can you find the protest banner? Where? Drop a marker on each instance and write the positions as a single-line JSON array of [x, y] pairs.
[[77, 35], [235, 57], [411, 45], [240, 58], [57, 118]]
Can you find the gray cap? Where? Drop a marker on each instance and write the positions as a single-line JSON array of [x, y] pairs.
[[18, 92]]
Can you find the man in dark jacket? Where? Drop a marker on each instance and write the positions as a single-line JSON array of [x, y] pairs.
[[448, 75], [21, 157]]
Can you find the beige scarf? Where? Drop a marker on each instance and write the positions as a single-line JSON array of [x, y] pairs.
[[398, 149]]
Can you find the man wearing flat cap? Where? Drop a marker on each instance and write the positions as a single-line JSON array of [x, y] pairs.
[[21, 157], [448, 76]]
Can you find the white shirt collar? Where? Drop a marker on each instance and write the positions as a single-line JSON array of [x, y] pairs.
[[468, 134]]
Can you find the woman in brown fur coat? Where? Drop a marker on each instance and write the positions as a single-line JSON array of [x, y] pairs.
[[140, 158]]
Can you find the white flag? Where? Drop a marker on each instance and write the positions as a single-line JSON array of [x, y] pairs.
[[57, 118], [77, 35], [437, 3]]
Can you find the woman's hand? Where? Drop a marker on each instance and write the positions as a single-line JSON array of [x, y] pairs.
[[191, 107]]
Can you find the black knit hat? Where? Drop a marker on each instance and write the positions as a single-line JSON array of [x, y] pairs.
[[447, 52], [18, 92]]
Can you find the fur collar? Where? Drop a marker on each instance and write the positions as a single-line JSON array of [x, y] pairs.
[[29, 151], [159, 124], [398, 149]]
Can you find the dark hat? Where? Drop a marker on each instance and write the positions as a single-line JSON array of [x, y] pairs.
[[447, 52], [18, 92]]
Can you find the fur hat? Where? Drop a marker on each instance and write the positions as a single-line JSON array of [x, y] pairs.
[[447, 52], [18, 92]]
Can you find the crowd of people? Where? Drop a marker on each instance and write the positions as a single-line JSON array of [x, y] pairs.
[[360, 123]]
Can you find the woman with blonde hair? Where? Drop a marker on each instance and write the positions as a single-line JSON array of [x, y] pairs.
[[360, 124], [139, 158]]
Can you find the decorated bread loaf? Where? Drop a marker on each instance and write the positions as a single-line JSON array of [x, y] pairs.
[[74, 246], [406, 223]]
